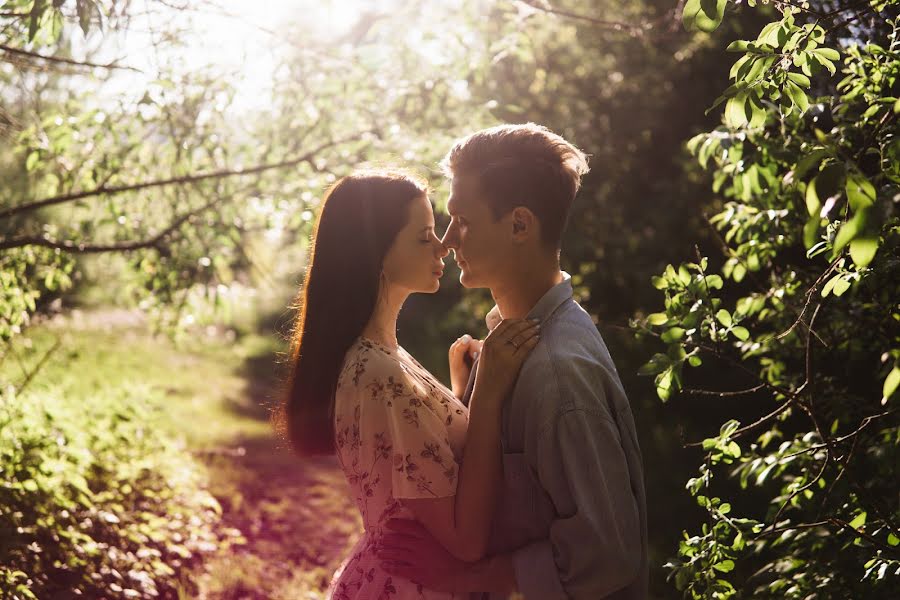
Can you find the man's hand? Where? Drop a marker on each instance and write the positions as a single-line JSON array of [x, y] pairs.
[[407, 550]]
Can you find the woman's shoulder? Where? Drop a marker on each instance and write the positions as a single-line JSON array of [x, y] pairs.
[[367, 360]]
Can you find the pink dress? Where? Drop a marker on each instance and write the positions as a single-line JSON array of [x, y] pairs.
[[399, 434]]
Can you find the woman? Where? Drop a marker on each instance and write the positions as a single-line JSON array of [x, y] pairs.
[[399, 434]]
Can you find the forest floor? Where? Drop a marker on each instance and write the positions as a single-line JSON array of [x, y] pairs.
[[295, 515]]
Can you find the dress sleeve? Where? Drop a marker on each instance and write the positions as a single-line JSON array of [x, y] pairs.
[[423, 464]]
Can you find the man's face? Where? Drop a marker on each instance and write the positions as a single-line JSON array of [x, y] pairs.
[[481, 246]]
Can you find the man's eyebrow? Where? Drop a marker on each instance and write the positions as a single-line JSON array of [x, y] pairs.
[[426, 228]]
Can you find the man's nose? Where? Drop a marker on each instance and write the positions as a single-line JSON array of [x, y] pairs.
[[449, 239]]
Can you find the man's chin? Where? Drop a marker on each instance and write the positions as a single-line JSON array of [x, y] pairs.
[[467, 281]]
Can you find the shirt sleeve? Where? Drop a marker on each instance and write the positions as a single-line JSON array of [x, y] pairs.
[[595, 550], [416, 437]]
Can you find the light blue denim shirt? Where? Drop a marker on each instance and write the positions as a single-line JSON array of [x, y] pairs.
[[573, 510]]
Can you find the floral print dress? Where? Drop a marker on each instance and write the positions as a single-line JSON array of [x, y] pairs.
[[399, 433]]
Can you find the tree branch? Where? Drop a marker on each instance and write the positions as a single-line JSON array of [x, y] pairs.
[[83, 248], [103, 190], [66, 61], [631, 29]]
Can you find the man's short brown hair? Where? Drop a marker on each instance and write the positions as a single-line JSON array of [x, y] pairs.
[[522, 165]]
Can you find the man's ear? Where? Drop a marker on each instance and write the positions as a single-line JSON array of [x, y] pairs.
[[524, 223]]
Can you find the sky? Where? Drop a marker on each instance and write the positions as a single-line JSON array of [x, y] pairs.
[[244, 38]]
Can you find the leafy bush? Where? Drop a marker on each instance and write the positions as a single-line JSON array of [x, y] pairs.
[[96, 499], [800, 319]]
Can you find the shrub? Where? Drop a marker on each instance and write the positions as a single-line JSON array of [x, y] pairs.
[[96, 499]]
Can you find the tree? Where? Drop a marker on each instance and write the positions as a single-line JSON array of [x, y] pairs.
[[801, 314]]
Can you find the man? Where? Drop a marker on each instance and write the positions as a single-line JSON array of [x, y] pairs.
[[572, 519]]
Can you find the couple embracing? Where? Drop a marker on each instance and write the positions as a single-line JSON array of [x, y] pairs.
[[525, 477]]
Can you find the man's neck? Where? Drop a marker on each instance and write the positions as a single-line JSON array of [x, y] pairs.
[[518, 296]]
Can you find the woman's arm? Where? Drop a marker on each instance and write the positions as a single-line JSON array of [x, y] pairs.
[[461, 523]]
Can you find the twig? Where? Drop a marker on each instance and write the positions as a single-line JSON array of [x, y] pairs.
[[102, 190], [698, 392], [82, 248], [66, 61], [631, 29], [39, 366]]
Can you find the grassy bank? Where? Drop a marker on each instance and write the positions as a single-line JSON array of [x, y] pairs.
[[279, 524]]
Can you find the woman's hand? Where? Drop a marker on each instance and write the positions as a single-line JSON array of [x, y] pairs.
[[462, 353], [503, 353]]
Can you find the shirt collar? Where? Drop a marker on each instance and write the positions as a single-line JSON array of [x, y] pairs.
[[548, 303]]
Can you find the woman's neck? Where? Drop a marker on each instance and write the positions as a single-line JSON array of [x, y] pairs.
[[382, 325]]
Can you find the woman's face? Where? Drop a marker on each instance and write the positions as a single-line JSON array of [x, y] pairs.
[[414, 261]]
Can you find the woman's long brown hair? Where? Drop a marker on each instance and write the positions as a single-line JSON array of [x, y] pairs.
[[359, 219]]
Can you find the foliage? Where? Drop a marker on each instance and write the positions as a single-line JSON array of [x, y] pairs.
[[96, 497], [802, 315]]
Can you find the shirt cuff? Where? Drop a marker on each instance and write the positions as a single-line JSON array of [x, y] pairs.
[[537, 575]]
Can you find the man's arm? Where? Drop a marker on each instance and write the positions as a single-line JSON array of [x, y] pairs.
[[408, 550], [594, 546]]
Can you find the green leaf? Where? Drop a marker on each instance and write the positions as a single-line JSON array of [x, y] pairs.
[[741, 333], [657, 364], [860, 191], [841, 286], [736, 111], [37, 11], [672, 335], [657, 318], [893, 540], [737, 46], [664, 384], [724, 317], [797, 95], [84, 7], [890, 384], [799, 79], [32, 160], [703, 15], [725, 566], [862, 250], [851, 229], [828, 53], [813, 202], [811, 231], [858, 521]]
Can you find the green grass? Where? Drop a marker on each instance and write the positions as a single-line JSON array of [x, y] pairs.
[[213, 393]]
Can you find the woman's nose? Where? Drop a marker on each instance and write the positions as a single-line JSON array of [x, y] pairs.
[[442, 250]]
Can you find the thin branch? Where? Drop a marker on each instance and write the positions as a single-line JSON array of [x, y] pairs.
[[631, 29], [865, 423], [768, 532], [82, 248], [103, 190], [699, 392], [803, 488], [66, 61], [40, 365]]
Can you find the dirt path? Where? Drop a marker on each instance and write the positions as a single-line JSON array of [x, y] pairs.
[[296, 515]]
